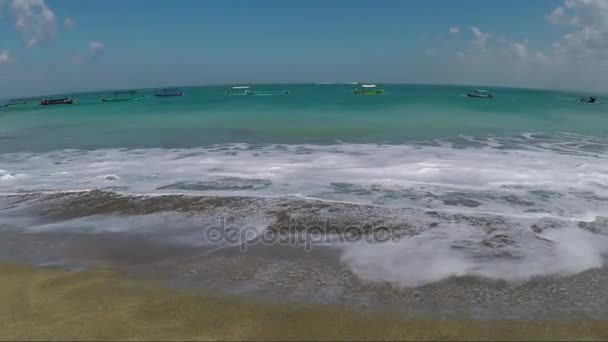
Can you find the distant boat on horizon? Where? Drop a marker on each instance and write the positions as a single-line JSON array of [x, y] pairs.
[[368, 89], [238, 91], [480, 93], [588, 99], [246, 90], [56, 101], [169, 92]]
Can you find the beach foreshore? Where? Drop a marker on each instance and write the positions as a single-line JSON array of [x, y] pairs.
[[104, 304]]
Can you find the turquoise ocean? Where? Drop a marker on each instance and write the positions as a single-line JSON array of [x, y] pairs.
[[493, 207], [311, 114]]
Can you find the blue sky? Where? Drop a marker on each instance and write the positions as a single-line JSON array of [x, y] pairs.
[[72, 45]]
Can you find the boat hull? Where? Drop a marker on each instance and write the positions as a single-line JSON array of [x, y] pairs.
[[51, 103], [368, 92], [480, 96], [239, 93]]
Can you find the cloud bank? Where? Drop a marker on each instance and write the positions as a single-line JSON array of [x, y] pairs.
[[34, 20], [573, 61]]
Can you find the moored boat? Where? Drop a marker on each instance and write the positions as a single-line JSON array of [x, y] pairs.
[[480, 93], [56, 101], [169, 92], [246, 90], [238, 91], [588, 99], [368, 89]]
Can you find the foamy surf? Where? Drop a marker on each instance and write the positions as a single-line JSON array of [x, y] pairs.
[[464, 218], [564, 176]]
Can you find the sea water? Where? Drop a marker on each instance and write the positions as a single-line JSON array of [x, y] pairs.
[[505, 189]]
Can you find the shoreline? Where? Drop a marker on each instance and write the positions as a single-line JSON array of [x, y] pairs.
[[104, 304]]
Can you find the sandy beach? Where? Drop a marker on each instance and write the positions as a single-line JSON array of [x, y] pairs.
[[44, 303]]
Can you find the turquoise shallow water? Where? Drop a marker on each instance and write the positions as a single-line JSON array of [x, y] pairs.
[[318, 114]]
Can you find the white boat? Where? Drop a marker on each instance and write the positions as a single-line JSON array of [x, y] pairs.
[[368, 89], [246, 90], [239, 90]]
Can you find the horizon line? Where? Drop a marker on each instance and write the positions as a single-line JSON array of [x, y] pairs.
[[319, 83]]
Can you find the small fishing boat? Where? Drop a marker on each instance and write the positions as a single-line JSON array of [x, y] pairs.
[[122, 96], [239, 91], [368, 89], [480, 93], [588, 99], [246, 90], [169, 92], [64, 100]]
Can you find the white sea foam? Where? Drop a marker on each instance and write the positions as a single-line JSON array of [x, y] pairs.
[[552, 180], [457, 250]]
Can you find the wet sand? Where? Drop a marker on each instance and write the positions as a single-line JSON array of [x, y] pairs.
[[44, 303]]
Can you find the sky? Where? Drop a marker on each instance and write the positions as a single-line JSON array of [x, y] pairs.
[[56, 46]]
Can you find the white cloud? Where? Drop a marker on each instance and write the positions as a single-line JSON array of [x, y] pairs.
[[69, 23], [556, 16], [34, 20], [5, 57], [588, 42], [455, 31], [519, 51], [95, 48], [576, 60], [481, 38]]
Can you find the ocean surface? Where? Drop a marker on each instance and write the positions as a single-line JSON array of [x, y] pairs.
[[491, 208]]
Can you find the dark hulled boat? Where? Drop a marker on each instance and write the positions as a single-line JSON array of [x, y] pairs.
[[481, 94], [169, 92], [64, 100]]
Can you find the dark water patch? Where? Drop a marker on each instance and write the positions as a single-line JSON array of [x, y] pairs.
[[591, 196], [596, 148], [221, 184], [190, 155], [460, 199], [498, 241], [515, 200], [598, 226], [349, 188], [545, 195], [546, 223], [465, 142]]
